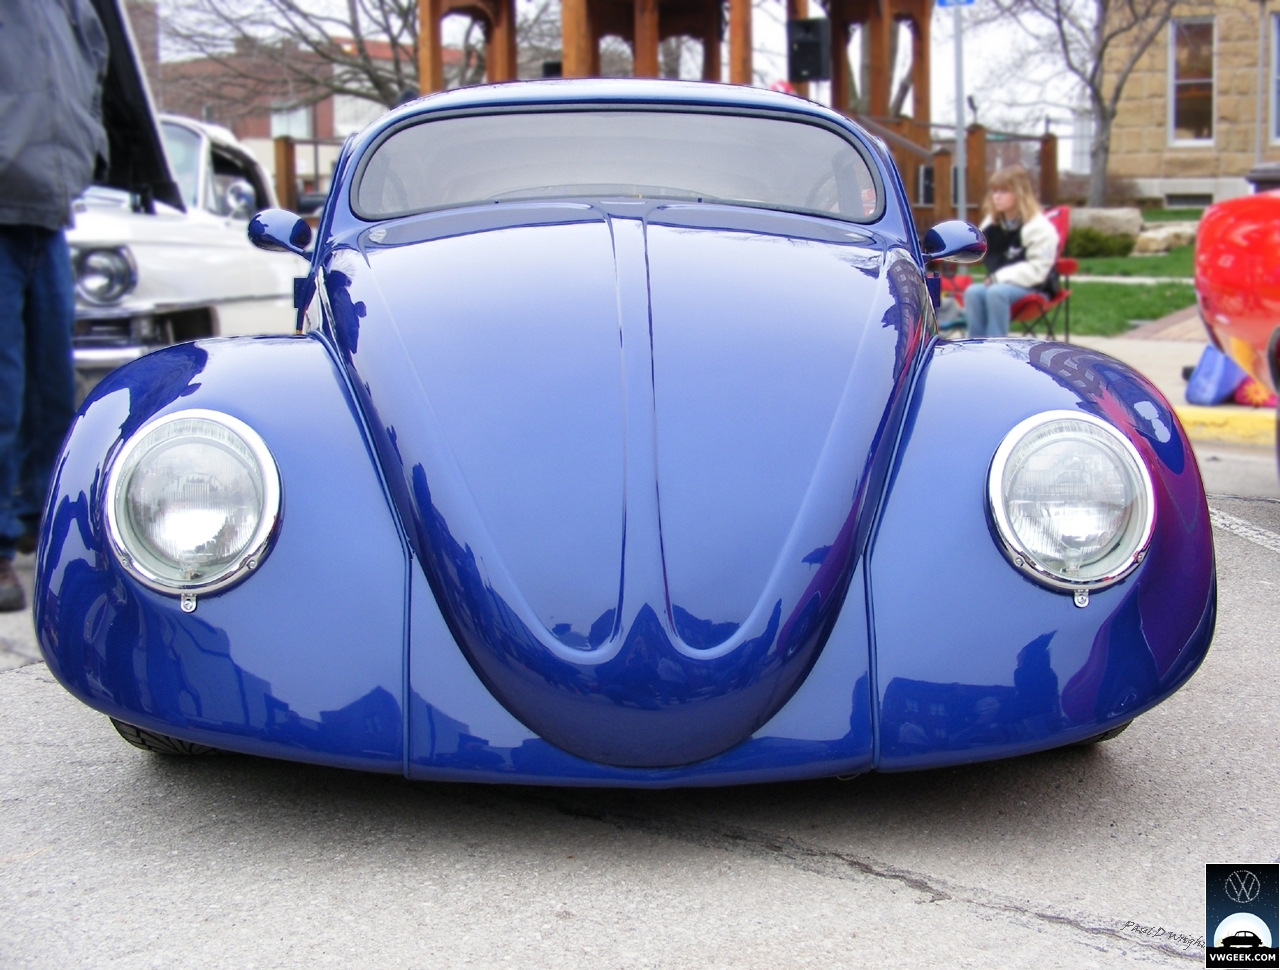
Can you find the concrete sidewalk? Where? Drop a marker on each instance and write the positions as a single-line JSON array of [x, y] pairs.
[[17, 635]]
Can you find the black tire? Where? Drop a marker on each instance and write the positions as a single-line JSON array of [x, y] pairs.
[[1106, 735], [159, 743]]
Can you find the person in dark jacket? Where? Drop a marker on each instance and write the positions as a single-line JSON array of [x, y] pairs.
[[53, 57]]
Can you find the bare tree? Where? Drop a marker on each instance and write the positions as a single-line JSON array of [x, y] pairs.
[[296, 52], [364, 48], [1099, 42], [537, 37], [471, 65]]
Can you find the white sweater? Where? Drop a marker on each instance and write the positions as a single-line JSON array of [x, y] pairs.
[[1040, 248]]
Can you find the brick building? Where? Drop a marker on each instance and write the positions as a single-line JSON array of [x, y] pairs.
[[1187, 130]]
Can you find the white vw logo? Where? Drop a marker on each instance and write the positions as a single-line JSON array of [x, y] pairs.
[[1243, 886]]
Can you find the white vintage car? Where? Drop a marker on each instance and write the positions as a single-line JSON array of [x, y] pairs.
[[149, 274]]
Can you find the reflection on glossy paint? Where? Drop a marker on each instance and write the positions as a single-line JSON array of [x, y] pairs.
[[1114, 392], [134, 654], [919, 716], [458, 731], [662, 682], [345, 313], [156, 383], [1135, 642], [139, 654]]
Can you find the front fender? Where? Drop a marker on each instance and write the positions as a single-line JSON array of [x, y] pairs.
[[973, 661], [305, 658]]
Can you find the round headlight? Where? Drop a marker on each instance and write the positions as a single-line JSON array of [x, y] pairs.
[[192, 501], [104, 275], [1071, 499]]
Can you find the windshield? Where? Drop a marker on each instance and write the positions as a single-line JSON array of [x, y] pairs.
[[182, 145], [736, 159]]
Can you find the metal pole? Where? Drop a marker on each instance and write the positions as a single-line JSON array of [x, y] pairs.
[[1259, 139], [315, 146], [962, 171]]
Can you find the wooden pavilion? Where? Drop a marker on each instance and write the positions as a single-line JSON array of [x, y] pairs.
[[645, 24]]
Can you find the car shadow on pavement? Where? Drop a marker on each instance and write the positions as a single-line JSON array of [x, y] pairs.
[[1019, 796]]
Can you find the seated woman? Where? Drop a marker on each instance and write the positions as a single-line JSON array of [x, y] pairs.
[[1022, 246]]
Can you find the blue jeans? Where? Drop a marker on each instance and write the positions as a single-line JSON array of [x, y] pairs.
[[986, 307], [37, 376]]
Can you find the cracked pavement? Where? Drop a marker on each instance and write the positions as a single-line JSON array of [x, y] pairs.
[[1081, 857]]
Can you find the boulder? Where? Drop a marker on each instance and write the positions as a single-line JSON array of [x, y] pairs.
[[1111, 222], [1160, 237]]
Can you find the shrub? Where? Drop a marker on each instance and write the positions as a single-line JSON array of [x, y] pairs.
[[1082, 243]]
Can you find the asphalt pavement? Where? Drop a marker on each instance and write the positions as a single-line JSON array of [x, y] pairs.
[[1084, 857]]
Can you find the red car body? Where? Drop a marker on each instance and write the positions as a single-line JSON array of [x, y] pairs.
[[1238, 280]]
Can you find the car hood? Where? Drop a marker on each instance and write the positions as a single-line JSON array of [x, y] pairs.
[[138, 164], [639, 446]]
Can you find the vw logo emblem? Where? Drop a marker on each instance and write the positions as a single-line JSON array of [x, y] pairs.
[[1243, 886]]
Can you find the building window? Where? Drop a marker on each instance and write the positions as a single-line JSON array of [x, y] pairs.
[[1191, 81], [924, 185], [294, 122]]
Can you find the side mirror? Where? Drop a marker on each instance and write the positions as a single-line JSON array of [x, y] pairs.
[[241, 200], [955, 242], [278, 231]]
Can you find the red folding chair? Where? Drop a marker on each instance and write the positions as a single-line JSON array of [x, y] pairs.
[[1036, 309]]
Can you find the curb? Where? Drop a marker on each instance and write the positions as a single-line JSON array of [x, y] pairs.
[[1229, 425]]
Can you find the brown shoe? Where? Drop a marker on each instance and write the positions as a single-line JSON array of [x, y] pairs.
[[26, 543], [11, 596]]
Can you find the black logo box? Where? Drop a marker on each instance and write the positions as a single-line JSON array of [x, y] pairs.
[[1252, 888]]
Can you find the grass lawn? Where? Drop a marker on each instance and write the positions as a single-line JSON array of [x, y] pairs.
[[1176, 262], [1108, 309], [1171, 215]]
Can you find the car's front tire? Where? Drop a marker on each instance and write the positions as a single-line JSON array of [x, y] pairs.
[[1106, 735], [159, 743]]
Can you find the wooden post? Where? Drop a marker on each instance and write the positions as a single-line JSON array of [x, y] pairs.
[[839, 59], [500, 53], [976, 178], [286, 173], [645, 47], [740, 42], [799, 10], [576, 38], [1048, 170], [879, 27], [711, 43], [920, 70], [430, 57], [942, 185]]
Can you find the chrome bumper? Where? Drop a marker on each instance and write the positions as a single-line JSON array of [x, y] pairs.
[[107, 358]]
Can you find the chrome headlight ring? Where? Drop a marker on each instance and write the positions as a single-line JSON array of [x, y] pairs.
[[192, 502], [1097, 444], [104, 275]]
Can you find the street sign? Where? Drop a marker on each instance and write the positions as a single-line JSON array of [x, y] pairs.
[[955, 3]]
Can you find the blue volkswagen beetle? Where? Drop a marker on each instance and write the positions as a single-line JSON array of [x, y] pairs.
[[617, 447]]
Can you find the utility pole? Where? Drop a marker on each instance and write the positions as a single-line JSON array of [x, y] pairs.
[[962, 167], [961, 163]]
